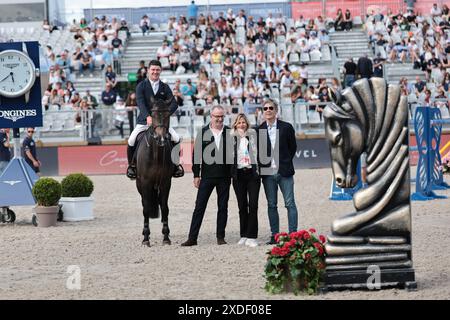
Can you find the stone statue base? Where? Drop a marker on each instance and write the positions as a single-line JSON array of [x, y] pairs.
[[360, 279]]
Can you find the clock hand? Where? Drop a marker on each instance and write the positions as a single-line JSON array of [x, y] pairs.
[[5, 77], [12, 77]]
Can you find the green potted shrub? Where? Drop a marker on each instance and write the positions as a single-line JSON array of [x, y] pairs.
[[77, 203], [47, 192]]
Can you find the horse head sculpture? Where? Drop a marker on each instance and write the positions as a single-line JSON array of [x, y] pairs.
[[372, 118]]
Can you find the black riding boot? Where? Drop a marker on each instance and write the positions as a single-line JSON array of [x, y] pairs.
[[131, 170], [178, 170]]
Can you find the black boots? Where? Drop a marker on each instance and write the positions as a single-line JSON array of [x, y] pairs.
[[178, 170], [131, 170]]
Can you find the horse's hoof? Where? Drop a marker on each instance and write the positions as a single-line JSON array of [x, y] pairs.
[[146, 243], [167, 242]]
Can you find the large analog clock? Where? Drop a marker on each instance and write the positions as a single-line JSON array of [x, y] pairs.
[[17, 73]]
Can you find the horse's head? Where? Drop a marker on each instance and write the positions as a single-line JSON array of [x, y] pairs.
[[345, 135], [160, 119]]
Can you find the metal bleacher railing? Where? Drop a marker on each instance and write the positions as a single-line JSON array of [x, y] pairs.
[[103, 122]]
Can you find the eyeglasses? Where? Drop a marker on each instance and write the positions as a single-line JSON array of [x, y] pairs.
[[217, 116], [268, 108], [30, 131]]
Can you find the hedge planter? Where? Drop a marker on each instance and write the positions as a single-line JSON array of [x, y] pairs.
[[46, 216], [77, 209]]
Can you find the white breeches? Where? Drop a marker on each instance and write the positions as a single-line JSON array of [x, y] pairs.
[[141, 127]]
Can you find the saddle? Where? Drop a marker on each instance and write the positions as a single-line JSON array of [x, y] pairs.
[[178, 169]]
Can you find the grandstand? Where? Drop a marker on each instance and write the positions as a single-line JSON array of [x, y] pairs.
[[241, 61]]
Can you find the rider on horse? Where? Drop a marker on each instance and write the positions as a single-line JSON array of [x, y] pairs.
[[146, 91]]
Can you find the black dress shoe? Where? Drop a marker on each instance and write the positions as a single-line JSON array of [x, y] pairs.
[[131, 172], [221, 241], [271, 241], [189, 243]]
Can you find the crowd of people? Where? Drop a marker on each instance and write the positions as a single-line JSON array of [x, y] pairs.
[[239, 61], [418, 38]]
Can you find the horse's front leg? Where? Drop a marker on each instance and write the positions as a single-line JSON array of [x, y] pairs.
[[164, 205], [146, 231]]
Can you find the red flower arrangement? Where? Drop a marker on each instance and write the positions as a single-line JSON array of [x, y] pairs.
[[296, 262]]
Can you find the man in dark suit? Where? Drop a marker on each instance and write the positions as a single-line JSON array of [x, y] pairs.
[[211, 167], [151, 87], [276, 166]]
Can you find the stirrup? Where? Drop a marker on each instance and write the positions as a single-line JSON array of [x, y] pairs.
[[131, 172], [179, 171]]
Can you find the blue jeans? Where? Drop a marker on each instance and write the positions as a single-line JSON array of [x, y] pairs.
[[286, 184], [349, 79]]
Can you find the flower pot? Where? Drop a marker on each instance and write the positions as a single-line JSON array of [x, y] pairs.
[[46, 216], [77, 209]]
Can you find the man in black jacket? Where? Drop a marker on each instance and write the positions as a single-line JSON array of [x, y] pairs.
[[211, 168], [365, 67], [276, 149], [152, 87]]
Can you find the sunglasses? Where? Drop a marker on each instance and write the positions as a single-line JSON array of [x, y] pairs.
[[31, 131], [218, 116], [268, 108]]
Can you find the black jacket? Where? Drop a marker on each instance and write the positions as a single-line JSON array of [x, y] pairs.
[[252, 148], [143, 93], [218, 166], [286, 149]]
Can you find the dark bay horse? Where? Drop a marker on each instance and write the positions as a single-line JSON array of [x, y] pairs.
[[154, 170]]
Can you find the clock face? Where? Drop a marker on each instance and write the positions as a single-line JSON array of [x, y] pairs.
[[17, 73]]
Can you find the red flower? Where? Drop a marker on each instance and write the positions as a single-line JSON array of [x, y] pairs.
[[276, 251], [307, 256], [312, 230], [306, 236], [319, 247], [279, 235], [322, 239]]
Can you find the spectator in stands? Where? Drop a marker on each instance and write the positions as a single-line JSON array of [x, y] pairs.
[[378, 66], [75, 100], [131, 107], [124, 27], [110, 76], [192, 13], [189, 89], [251, 92], [119, 118], [286, 80], [339, 20], [144, 24], [90, 100], [420, 85], [109, 95], [117, 45], [164, 51], [86, 62], [213, 90], [347, 22], [55, 99], [195, 60], [64, 63], [365, 67], [141, 72]]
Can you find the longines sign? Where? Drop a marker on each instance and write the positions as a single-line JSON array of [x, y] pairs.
[[17, 112], [15, 115]]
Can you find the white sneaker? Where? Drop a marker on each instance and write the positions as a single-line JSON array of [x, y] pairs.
[[251, 243], [242, 241]]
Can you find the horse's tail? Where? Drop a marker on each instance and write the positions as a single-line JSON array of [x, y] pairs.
[[154, 203]]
